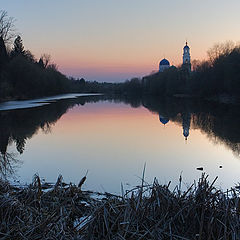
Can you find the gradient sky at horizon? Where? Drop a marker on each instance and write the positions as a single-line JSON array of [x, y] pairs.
[[112, 40]]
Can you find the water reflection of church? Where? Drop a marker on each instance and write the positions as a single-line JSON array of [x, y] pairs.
[[186, 121]]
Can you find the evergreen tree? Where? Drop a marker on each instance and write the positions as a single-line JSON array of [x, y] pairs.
[[3, 53], [40, 63], [18, 48]]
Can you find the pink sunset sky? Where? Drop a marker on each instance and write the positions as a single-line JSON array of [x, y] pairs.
[[112, 40]]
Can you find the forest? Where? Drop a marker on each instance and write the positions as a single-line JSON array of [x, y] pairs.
[[21, 74]]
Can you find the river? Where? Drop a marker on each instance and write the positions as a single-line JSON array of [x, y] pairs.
[[111, 139]]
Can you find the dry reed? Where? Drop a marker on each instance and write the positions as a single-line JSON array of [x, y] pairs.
[[64, 211]]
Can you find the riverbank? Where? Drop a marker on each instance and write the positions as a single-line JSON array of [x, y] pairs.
[[21, 104], [64, 211]]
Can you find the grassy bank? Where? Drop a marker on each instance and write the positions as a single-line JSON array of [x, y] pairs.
[[64, 211]]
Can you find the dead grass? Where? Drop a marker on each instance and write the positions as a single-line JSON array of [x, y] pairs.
[[147, 212]]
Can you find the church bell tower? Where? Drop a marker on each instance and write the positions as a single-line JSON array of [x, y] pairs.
[[186, 57]]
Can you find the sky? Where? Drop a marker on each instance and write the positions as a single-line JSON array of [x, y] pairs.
[[115, 40]]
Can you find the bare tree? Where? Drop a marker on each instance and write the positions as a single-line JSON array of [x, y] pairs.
[[46, 58], [220, 49], [7, 27], [195, 64], [53, 66], [29, 56]]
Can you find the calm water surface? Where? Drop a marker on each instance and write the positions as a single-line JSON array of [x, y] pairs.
[[112, 139]]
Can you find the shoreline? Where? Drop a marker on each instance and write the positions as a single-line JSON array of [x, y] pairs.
[[14, 103], [30, 103]]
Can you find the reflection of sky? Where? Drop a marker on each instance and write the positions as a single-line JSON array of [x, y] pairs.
[[113, 141], [114, 40]]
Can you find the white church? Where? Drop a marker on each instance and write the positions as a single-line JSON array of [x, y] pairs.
[[165, 64]]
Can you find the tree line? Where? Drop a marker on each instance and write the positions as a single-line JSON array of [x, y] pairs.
[[215, 77], [23, 76]]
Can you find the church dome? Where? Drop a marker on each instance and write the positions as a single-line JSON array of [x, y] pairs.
[[164, 62], [163, 120]]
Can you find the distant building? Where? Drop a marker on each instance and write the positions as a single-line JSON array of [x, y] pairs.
[[186, 58], [164, 64]]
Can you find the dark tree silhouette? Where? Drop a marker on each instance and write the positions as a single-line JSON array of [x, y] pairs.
[[3, 53], [40, 63], [18, 48], [45, 60]]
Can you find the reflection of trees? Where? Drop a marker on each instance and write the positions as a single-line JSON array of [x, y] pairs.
[[221, 125], [17, 126], [8, 163], [219, 122]]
